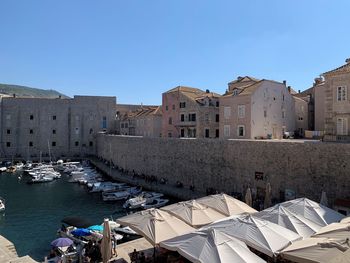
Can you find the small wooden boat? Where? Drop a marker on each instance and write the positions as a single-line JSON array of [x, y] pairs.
[[2, 204]]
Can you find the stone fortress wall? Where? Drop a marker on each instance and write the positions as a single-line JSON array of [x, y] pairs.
[[233, 165]]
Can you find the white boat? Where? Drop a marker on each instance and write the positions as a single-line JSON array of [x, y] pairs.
[[19, 166], [2, 204], [125, 230], [3, 169], [144, 197], [41, 179], [156, 203], [121, 195], [107, 186]]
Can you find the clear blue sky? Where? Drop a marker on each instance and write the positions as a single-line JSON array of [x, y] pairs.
[[136, 50]]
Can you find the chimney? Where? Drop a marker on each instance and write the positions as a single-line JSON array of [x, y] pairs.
[[289, 89], [14, 95], [298, 91], [59, 96], [239, 78], [207, 91], [347, 61], [285, 83]]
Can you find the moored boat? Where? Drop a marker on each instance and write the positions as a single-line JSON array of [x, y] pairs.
[[144, 197], [156, 203], [2, 204], [121, 195]]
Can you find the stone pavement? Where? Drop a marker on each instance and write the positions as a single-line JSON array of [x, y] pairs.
[[8, 253]]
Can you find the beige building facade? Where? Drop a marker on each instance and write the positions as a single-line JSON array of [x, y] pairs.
[[337, 102], [31, 127], [190, 113], [256, 109], [146, 122]]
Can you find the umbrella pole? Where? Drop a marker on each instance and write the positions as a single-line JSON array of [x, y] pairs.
[[154, 254]]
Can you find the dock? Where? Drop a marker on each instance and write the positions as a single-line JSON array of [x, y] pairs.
[[8, 253]]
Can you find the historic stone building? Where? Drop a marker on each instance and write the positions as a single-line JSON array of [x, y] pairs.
[[146, 121], [337, 102], [60, 127], [190, 113], [254, 108]]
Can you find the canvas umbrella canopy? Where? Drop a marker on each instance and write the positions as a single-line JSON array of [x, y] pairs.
[[106, 244], [294, 222], [262, 235], [193, 213], [96, 228], [211, 245], [313, 211], [345, 220], [317, 250], [248, 197], [81, 232], [226, 204], [335, 231], [155, 225], [62, 242]]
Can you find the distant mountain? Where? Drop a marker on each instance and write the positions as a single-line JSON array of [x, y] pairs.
[[23, 91]]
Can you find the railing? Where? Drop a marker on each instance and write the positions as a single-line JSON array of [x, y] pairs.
[[336, 138], [185, 123]]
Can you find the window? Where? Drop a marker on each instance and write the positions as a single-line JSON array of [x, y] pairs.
[[31, 117], [53, 131], [217, 133], [8, 116], [76, 130], [235, 92], [30, 144], [265, 113], [342, 126], [126, 125], [166, 107], [91, 143], [217, 117], [240, 131], [104, 122], [173, 106], [206, 133], [217, 104], [300, 118], [31, 131], [8, 144], [182, 133], [170, 120], [53, 144], [283, 114], [227, 130], [121, 125], [206, 117], [91, 130], [54, 117], [283, 97], [170, 134], [227, 112], [192, 117], [182, 105], [182, 117], [8, 131], [241, 111], [341, 93], [76, 143]]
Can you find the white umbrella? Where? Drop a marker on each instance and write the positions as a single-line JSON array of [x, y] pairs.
[[193, 213], [226, 204], [324, 199], [317, 250], [267, 200], [262, 235], [211, 245], [155, 225], [248, 197], [294, 222], [335, 231], [313, 211], [106, 245], [345, 220]]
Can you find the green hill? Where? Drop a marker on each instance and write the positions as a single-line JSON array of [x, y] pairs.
[[23, 91]]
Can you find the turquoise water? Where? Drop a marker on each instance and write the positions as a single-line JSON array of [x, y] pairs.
[[34, 212]]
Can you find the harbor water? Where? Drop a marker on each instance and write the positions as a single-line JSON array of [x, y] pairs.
[[34, 211]]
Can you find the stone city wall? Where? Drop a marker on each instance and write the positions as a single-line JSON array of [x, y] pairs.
[[233, 165]]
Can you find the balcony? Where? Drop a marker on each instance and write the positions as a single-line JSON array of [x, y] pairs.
[[186, 124]]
